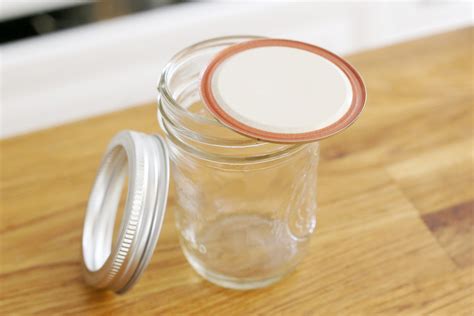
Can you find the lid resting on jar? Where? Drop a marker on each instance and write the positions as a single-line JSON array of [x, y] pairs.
[[282, 90], [118, 265]]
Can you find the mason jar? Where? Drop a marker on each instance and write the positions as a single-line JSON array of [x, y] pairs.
[[244, 208]]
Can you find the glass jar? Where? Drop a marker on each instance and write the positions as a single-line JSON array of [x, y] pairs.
[[245, 209]]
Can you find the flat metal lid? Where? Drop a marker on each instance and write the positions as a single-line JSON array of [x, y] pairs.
[[118, 265], [282, 90]]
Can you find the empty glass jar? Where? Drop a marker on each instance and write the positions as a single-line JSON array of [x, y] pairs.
[[245, 209]]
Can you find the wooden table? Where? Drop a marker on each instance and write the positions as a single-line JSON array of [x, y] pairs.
[[395, 225]]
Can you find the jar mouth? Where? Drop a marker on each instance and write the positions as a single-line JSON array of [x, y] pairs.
[[177, 60], [203, 134]]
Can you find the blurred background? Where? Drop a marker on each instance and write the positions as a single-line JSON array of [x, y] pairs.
[[64, 60]]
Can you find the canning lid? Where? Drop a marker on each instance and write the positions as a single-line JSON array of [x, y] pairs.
[[282, 90], [118, 265]]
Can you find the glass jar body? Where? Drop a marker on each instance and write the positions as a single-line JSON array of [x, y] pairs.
[[245, 226], [244, 209]]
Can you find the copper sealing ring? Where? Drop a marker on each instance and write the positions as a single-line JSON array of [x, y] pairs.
[[258, 127]]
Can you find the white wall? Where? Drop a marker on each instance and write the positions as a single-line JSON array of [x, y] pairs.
[[115, 64]]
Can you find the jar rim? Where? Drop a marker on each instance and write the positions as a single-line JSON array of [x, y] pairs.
[[168, 104], [163, 87]]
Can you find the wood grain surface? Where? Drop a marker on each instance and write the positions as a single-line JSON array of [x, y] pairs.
[[395, 224]]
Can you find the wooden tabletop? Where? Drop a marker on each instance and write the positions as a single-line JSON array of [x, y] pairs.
[[395, 223]]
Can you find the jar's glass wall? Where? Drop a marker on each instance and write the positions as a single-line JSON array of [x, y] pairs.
[[245, 209], [245, 224]]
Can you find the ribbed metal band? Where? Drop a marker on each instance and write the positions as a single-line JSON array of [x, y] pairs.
[[118, 266]]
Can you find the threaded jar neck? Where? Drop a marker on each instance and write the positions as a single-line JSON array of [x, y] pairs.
[[189, 125]]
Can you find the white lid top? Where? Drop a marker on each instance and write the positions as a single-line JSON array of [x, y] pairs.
[[281, 90], [118, 266]]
